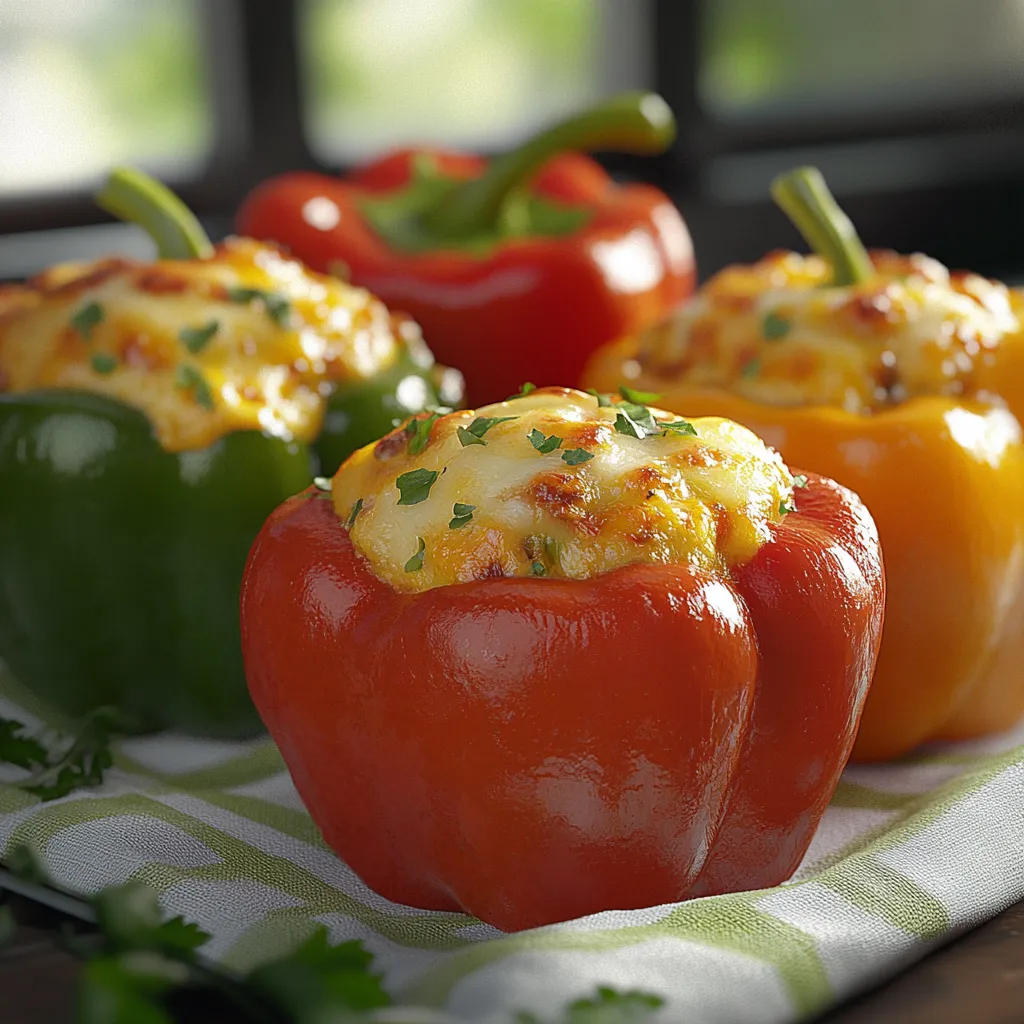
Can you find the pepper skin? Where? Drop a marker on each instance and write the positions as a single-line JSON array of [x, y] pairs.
[[508, 282], [532, 750]]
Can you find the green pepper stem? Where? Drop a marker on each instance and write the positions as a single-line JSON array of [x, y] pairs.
[[635, 122], [133, 196], [805, 199]]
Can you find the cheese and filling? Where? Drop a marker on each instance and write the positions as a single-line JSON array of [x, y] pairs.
[[558, 483], [246, 340], [777, 333]]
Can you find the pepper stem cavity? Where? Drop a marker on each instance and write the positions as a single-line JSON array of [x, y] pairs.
[[634, 122], [805, 198], [131, 195]]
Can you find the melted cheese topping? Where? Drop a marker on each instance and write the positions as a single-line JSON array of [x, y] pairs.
[[706, 499], [776, 333], [284, 338]]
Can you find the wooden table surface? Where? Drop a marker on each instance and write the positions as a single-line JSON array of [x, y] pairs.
[[978, 979]]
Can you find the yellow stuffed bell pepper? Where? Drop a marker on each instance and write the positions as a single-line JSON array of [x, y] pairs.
[[905, 383]]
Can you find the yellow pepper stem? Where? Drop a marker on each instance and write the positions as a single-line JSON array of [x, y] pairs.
[[805, 198]]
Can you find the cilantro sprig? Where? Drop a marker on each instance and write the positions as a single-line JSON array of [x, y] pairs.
[[136, 962], [190, 378], [474, 433], [461, 515], [78, 762], [416, 562], [277, 306], [544, 444], [195, 339]]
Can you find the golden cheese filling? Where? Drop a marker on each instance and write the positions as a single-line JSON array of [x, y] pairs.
[[246, 340], [776, 333], [558, 483]]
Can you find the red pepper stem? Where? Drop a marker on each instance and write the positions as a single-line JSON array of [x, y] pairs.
[[635, 122]]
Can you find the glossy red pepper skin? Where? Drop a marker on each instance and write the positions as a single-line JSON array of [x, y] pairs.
[[532, 308], [533, 750]]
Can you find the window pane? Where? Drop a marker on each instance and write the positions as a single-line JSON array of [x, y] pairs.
[[788, 58], [86, 84], [460, 72]]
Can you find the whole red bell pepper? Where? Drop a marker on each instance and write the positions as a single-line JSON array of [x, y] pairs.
[[516, 269], [533, 749]]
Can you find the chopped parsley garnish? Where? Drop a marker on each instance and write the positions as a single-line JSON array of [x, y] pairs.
[[103, 363], [188, 378], [524, 390], [419, 432], [635, 420], [461, 514], [678, 427], [86, 319], [544, 444], [785, 507], [196, 339], [416, 562], [774, 327], [537, 569], [799, 480], [638, 397], [574, 456], [354, 514], [322, 483], [602, 400], [751, 368], [278, 307], [474, 433], [466, 437], [415, 485]]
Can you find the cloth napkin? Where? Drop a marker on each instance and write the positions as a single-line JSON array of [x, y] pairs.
[[908, 855]]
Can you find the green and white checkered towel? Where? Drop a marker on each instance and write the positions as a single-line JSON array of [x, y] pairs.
[[908, 855]]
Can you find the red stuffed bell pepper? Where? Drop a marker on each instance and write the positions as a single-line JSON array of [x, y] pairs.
[[517, 268], [564, 654]]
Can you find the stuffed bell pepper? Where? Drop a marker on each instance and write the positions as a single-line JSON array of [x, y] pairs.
[[902, 381], [569, 653], [516, 268], [151, 416]]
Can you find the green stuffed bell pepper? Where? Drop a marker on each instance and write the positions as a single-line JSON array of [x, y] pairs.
[[151, 416]]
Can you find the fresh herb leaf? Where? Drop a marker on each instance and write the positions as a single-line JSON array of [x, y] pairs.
[[18, 748], [538, 569], [678, 427], [103, 363], [419, 431], [416, 562], [785, 507], [524, 390], [354, 514], [799, 480], [322, 483], [603, 400], [625, 425], [414, 486], [751, 368], [544, 444], [638, 397], [466, 438], [188, 378], [574, 456], [277, 306], [480, 426], [461, 514], [80, 764], [196, 339], [86, 319], [774, 327], [635, 420]]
